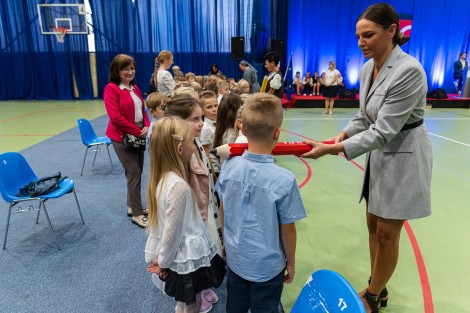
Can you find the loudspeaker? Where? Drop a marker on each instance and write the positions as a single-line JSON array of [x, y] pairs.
[[238, 47], [438, 93], [278, 47], [347, 94]]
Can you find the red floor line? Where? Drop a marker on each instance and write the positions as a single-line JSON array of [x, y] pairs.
[[309, 172], [423, 274]]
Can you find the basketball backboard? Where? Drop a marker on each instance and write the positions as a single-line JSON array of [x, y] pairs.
[[69, 16]]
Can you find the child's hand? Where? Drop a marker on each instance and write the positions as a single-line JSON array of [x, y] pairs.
[[153, 267], [224, 254], [289, 276]]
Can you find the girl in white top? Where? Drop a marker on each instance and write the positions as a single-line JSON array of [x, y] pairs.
[[298, 83], [331, 84], [181, 251], [200, 176], [166, 83]]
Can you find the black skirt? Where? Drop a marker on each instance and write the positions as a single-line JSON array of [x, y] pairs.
[[184, 287], [330, 92]]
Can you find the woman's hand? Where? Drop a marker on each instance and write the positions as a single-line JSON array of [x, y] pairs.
[[320, 149], [144, 132], [340, 137]]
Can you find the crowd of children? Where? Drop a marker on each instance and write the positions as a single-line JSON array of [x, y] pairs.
[[200, 203]]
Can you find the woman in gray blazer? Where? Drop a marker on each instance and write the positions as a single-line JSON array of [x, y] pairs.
[[389, 128]]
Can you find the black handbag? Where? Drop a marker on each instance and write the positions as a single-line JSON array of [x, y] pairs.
[[132, 143], [42, 186]]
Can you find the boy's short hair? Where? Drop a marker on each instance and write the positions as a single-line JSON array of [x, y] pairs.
[[189, 74], [186, 91], [222, 84], [261, 116], [206, 94], [180, 84], [156, 99], [196, 86], [212, 87]]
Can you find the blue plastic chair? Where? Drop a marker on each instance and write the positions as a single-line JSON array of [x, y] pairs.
[[328, 291], [15, 172], [91, 140]]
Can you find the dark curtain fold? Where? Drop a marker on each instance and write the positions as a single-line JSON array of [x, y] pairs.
[[36, 66]]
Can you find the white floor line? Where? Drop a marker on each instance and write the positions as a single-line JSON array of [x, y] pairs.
[[447, 118], [316, 118], [349, 118], [464, 144]]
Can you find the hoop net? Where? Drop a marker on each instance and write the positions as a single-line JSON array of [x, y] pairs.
[[60, 33]]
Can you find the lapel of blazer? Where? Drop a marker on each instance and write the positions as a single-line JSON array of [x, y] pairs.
[[365, 83], [384, 71]]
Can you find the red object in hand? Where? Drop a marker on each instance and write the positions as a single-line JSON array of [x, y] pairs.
[[282, 148]]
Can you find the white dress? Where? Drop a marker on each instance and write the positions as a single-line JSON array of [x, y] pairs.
[[180, 241]]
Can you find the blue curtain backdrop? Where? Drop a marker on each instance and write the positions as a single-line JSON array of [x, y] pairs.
[[197, 32], [320, 31], [35, 66]]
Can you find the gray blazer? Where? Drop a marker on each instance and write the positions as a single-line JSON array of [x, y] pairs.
[[399, 162]]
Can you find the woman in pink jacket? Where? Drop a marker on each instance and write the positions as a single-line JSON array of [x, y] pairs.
[[126, 111]]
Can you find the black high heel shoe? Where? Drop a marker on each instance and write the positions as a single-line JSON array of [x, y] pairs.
[[373, 301], [383, 296]]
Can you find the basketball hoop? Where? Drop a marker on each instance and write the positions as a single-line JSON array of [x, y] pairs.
[[60, 33]]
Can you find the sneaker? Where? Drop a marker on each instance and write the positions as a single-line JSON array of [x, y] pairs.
[[205, 306], [140, 221], [210, 296], [305, 94], [129, 211], [311, 94], [331, 112]]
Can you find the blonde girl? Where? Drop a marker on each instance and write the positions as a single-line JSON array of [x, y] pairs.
[[200, 176], [180, 250]]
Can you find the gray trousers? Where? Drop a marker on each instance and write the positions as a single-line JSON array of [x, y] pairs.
[[133, 164]]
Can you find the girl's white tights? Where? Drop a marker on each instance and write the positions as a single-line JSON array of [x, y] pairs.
[[182, 307]]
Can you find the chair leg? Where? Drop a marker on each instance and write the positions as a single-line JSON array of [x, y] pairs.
[[39, 211], [78, 206], [96, 152], [83, 165], [112, 166], [50, 225], [8, 225]]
